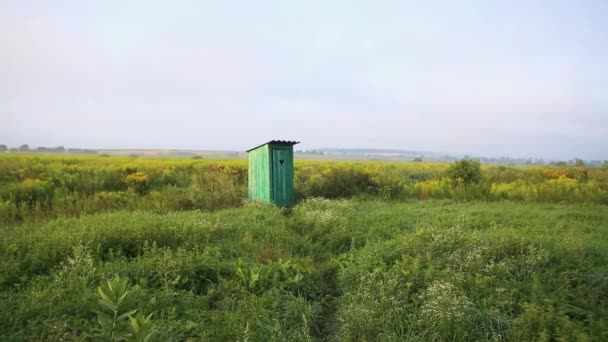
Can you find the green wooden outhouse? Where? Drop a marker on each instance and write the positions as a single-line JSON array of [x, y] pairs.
[[271, 172]]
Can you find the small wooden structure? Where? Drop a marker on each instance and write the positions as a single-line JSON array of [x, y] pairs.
[[271, 172]]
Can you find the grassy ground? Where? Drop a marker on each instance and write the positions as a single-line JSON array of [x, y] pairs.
[[347, 270]]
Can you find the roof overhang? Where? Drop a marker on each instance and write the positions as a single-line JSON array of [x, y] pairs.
[[276, 142]]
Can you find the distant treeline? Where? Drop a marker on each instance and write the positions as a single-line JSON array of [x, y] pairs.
[[59, 149], [410, 155]]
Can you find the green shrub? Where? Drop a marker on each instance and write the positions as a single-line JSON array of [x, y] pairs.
[[466, 171]]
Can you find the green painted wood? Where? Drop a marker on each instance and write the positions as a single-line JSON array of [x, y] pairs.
[[271, 174], [282, 176], [259, 174]]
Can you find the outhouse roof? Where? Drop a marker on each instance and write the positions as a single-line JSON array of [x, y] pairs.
[[276, 142]]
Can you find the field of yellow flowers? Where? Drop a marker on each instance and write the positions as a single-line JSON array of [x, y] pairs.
[[36, 187], [97, 248]]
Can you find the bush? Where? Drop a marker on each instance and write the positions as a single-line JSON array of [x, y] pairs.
[[466, 171]]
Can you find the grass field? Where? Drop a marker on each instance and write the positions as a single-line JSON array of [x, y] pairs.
[[39, 187], [375, 262]]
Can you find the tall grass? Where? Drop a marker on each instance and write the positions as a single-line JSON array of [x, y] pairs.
[[339, 270], [37, 187]]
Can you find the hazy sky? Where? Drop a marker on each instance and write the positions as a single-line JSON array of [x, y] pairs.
[[517, 78]]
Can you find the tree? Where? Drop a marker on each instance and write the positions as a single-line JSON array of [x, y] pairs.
[[24, 148], [3, 148], [579, 162], [467, 170]]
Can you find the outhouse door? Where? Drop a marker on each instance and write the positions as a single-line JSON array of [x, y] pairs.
[[282, 171]]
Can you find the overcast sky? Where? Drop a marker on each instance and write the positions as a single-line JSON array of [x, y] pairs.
[[517, 78]]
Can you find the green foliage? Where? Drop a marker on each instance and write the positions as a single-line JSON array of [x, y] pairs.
[[114, 316], [466, 170], [142, 327], [41, 187], [348, 270], [117, 322], [491, 253]]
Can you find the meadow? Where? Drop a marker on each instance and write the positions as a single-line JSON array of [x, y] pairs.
[[39, 187], [120, 248]]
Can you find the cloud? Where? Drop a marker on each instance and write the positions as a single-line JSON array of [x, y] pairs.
[[475, 78]]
